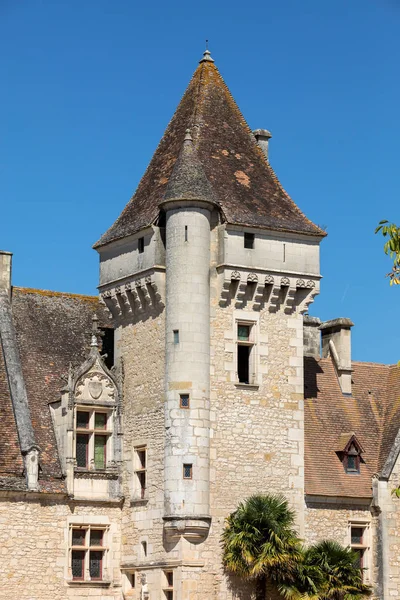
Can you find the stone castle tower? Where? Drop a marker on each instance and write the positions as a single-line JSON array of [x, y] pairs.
[[206, 273]]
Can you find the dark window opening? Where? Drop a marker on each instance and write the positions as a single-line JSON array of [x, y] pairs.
[[141, 245], [132, 579], [184, 401], [144, 548], [95, 564], [351, 460], [142, 483], [243, 363], [82, 420], [169, 594], [82, 446], [78, 564], [186, 233], [176, 336], [107, 335], [78, 537], [357, 535], [170, 578], [249, 240], [187, 471], [96, 537]]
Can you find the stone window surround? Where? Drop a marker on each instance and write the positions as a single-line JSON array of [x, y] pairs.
[[94, 522], [90, 431], [167, 583], [366, 545], [241, 317], [136, 492]]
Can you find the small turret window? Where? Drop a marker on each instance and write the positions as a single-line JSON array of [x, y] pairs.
[[141, 245], [249, 240], [184, 401], [187, 471]]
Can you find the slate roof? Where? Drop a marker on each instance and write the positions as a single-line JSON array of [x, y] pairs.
[[372, 413], [53, 329], [244, 184]]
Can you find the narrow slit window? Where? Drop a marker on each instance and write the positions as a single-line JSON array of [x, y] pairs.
[[184, 401], [249, 240], [141, 245], [284, 252], [144, 549], [176, 336], [187, 471], [186, 233]]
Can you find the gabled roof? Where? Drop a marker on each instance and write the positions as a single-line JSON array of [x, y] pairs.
[[245, 186], [52, 331], [371, 414]]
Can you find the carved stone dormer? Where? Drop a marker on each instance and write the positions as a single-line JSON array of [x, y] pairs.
[[87, 423]]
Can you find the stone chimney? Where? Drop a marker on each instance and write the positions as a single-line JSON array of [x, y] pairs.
[[336, 342], [263, 136], [5, 271], [311, 336]]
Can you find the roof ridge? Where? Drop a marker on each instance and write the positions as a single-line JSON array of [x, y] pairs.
[[26, 290]]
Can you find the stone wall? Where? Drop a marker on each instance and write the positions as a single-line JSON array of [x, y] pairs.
[[34, 549], [330, 519]]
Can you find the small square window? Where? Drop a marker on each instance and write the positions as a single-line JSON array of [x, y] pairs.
[[187, 471], [78, 537], [176, 336], [82, 420], [244, 333], [96, 537], [249, 240], [141, 245], [184, 401]]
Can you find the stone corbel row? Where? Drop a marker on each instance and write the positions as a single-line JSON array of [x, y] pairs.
[[134, 297], [268, 291]]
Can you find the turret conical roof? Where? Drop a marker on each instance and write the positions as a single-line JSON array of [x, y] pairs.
[[243, 182], [188, 180]]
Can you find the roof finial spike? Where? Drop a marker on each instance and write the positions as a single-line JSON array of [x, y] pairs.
[[95, 331], [188, 136], [207, 55]]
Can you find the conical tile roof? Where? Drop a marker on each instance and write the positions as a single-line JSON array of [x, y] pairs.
[[244, 184], [188, 180]]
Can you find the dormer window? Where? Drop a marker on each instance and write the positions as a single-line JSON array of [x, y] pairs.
[[350, 453], [352, 460]]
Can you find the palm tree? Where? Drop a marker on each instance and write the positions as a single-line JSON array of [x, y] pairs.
[[325, 571], [260, 542]]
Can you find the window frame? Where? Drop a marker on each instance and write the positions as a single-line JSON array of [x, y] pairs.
[[184, 467], [251, 343], [140, 491], [92, 433], [168, 580], [87, 548], [364, 546]]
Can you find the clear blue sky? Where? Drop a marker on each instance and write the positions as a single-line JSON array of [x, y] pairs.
[[88, 87]]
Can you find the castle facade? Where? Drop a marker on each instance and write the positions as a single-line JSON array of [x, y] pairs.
[[134, 422]]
